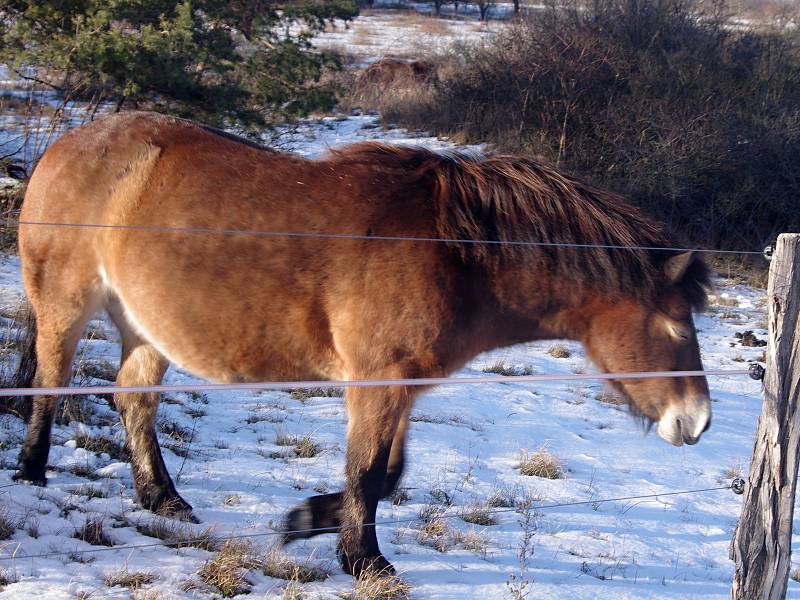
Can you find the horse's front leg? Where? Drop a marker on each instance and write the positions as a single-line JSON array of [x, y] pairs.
[[374, 416], [322, 514]]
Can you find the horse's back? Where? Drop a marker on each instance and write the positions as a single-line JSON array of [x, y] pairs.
[[227, 306]]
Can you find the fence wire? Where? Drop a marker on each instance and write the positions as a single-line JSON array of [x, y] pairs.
[[384, 238], [187, 542], [357, 383]]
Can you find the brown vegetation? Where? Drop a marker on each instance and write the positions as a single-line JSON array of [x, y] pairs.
[[694, 120]]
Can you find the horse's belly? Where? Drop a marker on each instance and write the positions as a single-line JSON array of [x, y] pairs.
[[228, 336]]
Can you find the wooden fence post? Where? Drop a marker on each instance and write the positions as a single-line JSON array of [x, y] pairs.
[[762, 543]]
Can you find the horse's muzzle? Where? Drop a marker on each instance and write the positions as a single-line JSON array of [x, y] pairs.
[[685, 425]]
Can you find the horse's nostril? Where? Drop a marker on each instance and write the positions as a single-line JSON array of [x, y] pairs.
[[708, 424]]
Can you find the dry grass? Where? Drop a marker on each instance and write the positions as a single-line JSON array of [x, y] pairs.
[[83, 470], [306, 447], [503, 497], [305, 394], [90, 491], [723, 301], [400, 496], [278, 565], [179, 535], [129, 579], [97, 369], [285, 439], [435, 531], [501, 367], [176, 431], [227, 571], [93, 532], [379, 586], [293, 592], [609, 398], [101, 445], [473, 541], [478, 514], [559, 351], [732, 472], [6, 578], [8, 525], [433, 26], [540, 464]]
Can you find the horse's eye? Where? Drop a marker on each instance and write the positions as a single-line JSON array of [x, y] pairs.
[[679, 332]]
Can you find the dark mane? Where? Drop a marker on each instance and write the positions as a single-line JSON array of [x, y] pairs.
[[511, 199]]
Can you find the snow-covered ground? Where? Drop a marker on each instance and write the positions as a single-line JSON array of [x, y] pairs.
[[406, 34], [465, 445]]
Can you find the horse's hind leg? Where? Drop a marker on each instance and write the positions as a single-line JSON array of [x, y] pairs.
[[321, 514], [59, 328], [142, 364]]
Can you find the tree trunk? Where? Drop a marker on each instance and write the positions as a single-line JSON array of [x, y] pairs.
[[762, 543]]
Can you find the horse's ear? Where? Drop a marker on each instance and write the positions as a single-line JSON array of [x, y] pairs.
[[675, 266]]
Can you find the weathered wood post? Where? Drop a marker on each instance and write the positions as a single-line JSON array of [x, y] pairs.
[[762, 544]]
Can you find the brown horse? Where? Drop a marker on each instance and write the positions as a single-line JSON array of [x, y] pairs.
[[244, 307]]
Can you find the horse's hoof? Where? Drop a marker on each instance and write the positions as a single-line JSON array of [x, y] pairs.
[[32, 476], [365, 566], [299, 520]]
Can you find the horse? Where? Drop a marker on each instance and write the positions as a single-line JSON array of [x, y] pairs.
[[470, 253]]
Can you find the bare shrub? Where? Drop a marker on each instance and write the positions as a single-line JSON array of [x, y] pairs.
[[575, 83], [540, 464]]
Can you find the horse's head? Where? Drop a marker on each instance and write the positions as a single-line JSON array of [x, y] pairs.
[[631, 335]]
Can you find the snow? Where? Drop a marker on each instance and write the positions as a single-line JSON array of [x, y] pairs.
[[465, 443]]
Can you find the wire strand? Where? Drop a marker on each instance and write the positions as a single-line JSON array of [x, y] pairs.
[[354, 383], [385, 238], [320, 530]]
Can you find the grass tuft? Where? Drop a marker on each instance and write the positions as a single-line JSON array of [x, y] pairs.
[[278, 565], [227, 571], [175, 534], [540, 464], [124, 578], [478, 514], [559, 351], [501, 367], [8, 525], [101, 445], [379, 586], [93, 532]]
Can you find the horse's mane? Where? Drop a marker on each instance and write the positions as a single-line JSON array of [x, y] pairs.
[[511, 199]]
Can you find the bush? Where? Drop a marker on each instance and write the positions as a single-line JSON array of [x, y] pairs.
[[695, 121], [244, 63]]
